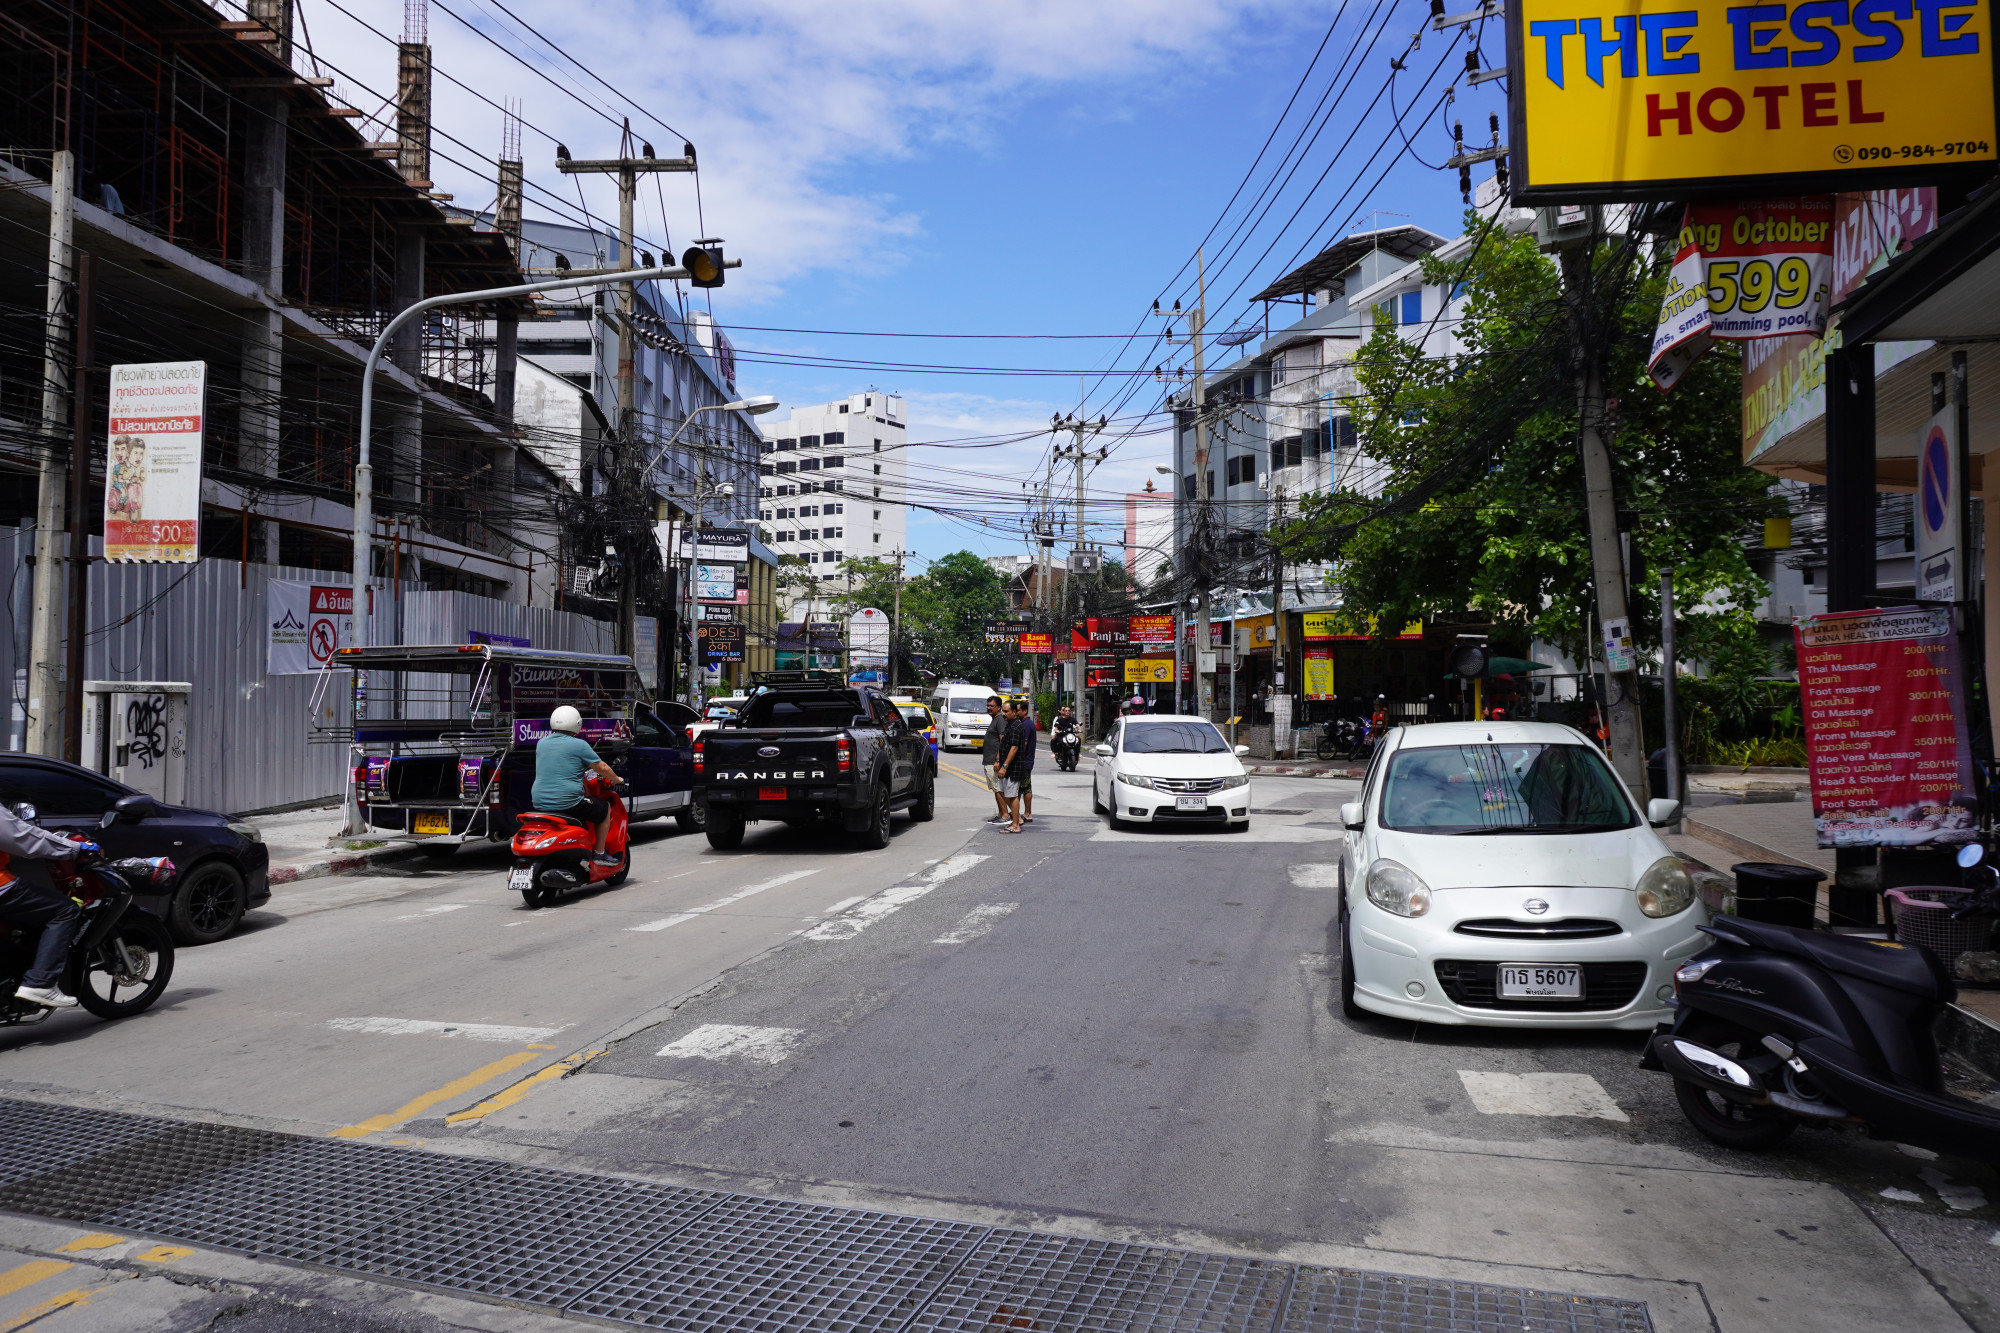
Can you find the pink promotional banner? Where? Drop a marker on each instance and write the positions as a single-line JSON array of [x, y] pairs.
[[1884, 699], [1152, 631]]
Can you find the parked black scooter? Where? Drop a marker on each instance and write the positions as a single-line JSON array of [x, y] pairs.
[[1778, 1027]]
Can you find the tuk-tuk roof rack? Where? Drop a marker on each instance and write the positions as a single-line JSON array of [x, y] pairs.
[[470, 653]]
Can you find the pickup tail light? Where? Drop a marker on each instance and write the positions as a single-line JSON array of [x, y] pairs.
[[699, 760], [843, 752], [361, 784]]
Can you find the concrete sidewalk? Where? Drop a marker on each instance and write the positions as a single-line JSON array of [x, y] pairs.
[[306, 844], [1761, 831]]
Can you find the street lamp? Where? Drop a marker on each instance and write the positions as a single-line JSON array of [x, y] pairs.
[[364, 474], [756, 407]]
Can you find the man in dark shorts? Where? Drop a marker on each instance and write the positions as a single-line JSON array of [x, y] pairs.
[[561, 759]]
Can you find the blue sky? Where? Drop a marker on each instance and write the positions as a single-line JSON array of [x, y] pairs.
[[950, 166]]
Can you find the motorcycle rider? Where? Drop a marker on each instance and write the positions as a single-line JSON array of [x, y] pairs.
[[27, 904], [1063, 730], [561, 759]]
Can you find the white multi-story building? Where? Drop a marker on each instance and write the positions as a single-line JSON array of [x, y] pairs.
[[834, 482]]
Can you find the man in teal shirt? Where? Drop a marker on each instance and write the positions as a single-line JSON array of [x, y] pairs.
[[562, 758]]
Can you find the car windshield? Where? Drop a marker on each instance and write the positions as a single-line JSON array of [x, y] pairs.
[[968, 704], [915, 714], [1173, 738], [1502, 789]]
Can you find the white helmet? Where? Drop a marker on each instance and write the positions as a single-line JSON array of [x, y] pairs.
[[566, 719]]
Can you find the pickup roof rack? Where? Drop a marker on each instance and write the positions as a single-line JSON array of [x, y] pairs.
[[770, 679]]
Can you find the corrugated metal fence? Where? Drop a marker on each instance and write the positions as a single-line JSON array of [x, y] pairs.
[[207, 625]]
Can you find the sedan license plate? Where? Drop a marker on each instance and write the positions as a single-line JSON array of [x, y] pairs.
[[1190, 802], [771, 793], [432, 824], [1519, 982], [522, 879]]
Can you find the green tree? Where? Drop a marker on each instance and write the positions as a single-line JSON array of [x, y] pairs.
[[1481, 506]]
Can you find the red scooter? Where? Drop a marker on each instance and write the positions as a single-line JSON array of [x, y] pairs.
[[553, 853]]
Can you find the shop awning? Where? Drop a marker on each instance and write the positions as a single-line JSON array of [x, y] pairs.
[[1946, 286]]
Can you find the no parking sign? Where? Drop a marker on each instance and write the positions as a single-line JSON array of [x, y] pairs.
[[1939, 505]]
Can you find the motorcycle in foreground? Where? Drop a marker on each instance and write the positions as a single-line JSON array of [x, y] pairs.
[[552, 853], [1778, 1027], [122, 957], [1068, 748]]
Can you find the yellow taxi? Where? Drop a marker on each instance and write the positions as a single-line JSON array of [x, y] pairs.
[[918, 715]]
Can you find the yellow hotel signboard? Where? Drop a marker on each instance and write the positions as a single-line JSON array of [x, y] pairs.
[[1614, 99]]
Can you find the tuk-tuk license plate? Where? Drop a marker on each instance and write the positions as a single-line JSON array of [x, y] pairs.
[[771, 793], [1540, 983], [432, 824], [522, 879]]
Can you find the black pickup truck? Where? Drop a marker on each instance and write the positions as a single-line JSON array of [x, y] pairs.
[[807, 747]]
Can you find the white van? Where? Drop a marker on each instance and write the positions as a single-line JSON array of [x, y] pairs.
[[961, 715]]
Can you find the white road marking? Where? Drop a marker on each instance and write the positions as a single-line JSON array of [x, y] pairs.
[[1323, 876], [433, 911], [1958, 1198], [731, 1041], [1902, 1196], [976, 923], [666, 922], [852, 923], [1260, 831], [421, 1027], [1539, 1094], [845, 903]]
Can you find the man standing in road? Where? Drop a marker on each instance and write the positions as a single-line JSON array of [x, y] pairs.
[[991, 754], [1013, 765], [1030, 735]]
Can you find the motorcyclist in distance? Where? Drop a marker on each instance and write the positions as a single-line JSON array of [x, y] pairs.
[[27, 904], [561, 759]]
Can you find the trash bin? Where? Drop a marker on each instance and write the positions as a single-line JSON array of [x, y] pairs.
[[1776, 892]]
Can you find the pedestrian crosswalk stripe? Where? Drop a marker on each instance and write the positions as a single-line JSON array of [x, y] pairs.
[[1539, 1094]]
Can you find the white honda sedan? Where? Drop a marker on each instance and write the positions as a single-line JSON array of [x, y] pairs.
[[1171, 769], [1500, 874]]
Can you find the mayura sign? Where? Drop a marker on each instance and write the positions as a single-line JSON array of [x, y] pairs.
[[1618, 101]]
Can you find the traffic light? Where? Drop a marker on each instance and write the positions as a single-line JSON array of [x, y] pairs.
[[703, 261], [1468, 659]]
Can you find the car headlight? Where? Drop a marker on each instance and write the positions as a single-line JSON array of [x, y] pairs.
[[1396, 888], [1240, 780], [249, 832], [1666, 888], [1134, 780]]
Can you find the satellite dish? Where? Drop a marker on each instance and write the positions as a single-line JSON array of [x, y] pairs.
[[1235, 337]]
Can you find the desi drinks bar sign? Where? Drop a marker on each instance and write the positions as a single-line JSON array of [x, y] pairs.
[[1884, 700]]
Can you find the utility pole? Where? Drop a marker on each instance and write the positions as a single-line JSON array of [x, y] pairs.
[[1628, 757], [44, 727], [1280, 686], [1199, 533], [1079, 427], [628, 170], [896, 619]]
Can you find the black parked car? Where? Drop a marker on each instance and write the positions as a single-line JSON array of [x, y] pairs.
[[224, 865]]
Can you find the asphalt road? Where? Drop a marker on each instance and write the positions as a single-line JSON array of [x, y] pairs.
[[1127, 1034]]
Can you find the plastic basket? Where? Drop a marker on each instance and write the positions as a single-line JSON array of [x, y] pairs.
[[1923, 916]]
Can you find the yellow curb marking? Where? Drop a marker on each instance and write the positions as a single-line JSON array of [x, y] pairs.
[[509, 1096], [95, 1240], [163, 1254], [456, 1088], [28, 1274]]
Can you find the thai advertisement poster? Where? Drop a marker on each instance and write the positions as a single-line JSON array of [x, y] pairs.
[[1149, 670], [1318, 680], [1784, 379], [722, 583], [1151, 631], [1884, 699], [152, 462]]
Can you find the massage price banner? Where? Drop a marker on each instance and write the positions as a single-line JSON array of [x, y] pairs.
[[152, 462], [1884, 700], [1762, 269], [1318, 680], [1151, 631]]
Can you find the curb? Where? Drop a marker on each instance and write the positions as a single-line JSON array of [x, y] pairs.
[[1302, 772], [338, 865], [1971, 1037], [1737, 845]]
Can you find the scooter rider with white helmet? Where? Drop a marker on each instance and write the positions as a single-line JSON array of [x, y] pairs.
[[562, 758]]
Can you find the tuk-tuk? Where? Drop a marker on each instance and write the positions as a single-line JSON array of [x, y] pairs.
[[441, 737]]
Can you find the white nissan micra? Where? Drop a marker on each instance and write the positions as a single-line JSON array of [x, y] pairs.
[[1500, 874]]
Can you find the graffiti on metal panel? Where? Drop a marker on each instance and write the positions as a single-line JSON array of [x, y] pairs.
[[146, 728]]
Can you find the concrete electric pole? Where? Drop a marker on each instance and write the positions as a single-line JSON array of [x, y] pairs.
[[45, 713], [1199, 536]]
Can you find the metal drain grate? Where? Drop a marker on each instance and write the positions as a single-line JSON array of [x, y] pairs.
[[1347, 1300], [36, 1139], [527, 1235], [1018, 1279], [768, 1265], [301, 1203], [666, 1257]]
